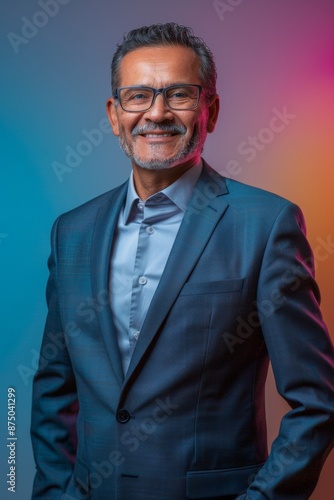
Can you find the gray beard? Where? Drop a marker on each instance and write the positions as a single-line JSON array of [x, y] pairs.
[[162, 164]]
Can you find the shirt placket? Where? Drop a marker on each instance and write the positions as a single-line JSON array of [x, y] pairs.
[[140, 296]]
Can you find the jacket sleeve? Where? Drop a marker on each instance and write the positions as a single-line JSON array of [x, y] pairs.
[[54, 405], [301, 353]]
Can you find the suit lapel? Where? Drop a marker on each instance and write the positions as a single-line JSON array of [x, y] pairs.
[[106, 222], [205, 209]]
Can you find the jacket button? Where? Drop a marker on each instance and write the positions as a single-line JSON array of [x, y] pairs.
[[123, 416]]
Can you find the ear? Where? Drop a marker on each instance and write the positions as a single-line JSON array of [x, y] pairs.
[[112, 115], [213, 114]]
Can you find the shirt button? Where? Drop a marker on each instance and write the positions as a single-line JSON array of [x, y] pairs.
[[142, 280], [141, 206], [136, 335], [123, 416], [150, 230]]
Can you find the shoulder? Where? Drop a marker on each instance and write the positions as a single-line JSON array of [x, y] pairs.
[[89, 209], [252, 203], [262, 205], [247, 193], [241, 193]]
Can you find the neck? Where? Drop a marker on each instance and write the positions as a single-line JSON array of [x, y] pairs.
[[148, 182]]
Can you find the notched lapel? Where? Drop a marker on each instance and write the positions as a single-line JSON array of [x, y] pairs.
[[105, 225], [205, 209]]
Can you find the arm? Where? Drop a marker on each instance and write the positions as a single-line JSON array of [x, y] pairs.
[[302, 358], [54, 405]]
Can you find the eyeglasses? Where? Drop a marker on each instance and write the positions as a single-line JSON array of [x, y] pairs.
[[139, 99]]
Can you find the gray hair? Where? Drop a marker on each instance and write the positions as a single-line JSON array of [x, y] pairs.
[[168, 34]]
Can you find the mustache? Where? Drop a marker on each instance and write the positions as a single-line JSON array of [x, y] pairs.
[[154, 127]]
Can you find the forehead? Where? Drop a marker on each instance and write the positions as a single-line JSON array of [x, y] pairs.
[[160, 66]]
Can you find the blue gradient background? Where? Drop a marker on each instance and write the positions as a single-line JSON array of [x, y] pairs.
[[270, 54]]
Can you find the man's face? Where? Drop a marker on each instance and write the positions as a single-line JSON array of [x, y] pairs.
[[162, 138]]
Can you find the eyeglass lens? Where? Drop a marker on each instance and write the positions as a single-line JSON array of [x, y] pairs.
[[140, 99]]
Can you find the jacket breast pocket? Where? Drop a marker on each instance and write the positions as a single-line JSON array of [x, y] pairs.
[[210, 287]]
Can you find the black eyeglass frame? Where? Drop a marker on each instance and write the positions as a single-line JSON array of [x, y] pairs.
[[162, 91]]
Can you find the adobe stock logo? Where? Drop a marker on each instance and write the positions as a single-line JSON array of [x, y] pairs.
[[40, 19], [74, 156], [223, 7]]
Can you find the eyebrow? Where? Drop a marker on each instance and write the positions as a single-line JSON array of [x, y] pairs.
[[168, 85]]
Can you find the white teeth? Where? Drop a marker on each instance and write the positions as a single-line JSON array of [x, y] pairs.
[[158, 135]]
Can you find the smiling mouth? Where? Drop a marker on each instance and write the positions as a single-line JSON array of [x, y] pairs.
[[161, 131], [158, 135]]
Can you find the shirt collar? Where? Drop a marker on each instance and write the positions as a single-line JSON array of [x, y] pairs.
[[179, 192]]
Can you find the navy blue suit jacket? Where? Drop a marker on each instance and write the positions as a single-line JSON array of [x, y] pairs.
[[188, 419]]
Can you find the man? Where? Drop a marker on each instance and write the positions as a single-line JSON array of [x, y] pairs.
[[166, 297]]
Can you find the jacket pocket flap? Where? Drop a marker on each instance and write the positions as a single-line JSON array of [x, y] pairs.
[[214, 483], [221, 286]]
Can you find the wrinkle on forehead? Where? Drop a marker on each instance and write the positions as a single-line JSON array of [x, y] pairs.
[[160, 66]]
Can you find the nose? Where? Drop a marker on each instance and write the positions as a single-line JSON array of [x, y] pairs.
[[159, 110]]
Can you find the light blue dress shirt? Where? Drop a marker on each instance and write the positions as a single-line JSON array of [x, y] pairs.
[[145, 234]]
